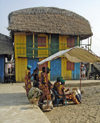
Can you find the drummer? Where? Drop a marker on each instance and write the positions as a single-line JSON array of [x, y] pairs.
[[70, 95], [62, 91]]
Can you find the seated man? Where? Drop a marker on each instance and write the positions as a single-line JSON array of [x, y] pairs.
[[60, 88], [58, 91], [56, 84]]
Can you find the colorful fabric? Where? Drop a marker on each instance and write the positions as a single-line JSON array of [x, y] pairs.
[[56, 85], [43, 85], [34, 93], [28, 81], [72, 97], [46, 92], [60, 89], [44, 77]]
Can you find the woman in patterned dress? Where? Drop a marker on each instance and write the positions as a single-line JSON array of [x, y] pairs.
[[28, 80], [44, 86]]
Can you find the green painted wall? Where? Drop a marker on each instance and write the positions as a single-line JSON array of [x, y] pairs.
[[29, 46], [54, 43]]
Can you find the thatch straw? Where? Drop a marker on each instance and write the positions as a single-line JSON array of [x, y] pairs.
[[49, 20], [6, 45]]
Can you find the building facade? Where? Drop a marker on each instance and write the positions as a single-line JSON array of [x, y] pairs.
[[31, 48], [6, 50], [42, 31]]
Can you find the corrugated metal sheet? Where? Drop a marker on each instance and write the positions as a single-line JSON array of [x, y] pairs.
[[54, 43], [78, 41], [20, 68], [2, 68], [49, 44], [63, 68], [20, 44], [35, 45], [70, 65], [55, 66], [70, 42], [49, 67], [43, 49], [66, 74], [29, 45], [62, 42], [43, 65], [76, 72], [33, 63]]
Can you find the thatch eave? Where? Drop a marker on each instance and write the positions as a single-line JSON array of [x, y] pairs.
[[6, 45], [49, 20], [82, 36]]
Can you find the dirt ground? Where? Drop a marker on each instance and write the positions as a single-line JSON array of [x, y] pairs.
[[86, 112]]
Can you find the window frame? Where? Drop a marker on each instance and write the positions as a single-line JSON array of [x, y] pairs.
[[70, 65], [41, 41], [70, 42]]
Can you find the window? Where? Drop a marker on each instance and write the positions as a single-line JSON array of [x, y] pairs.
[[70, 42], [41, 41], [70, 65]]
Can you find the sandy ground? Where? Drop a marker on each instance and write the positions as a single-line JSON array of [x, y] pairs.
[[87, 112], [15, 108]]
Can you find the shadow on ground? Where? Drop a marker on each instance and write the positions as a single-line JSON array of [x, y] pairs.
[[13, 99]]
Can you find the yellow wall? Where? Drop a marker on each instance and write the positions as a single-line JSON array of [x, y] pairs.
[[66, 74], [43, 51], [62, 42], [20, 68], [49, 45], [49, 72], [33, 44], [78, 41], [20, 44]]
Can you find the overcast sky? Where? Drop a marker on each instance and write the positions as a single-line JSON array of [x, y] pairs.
[[90, 9]]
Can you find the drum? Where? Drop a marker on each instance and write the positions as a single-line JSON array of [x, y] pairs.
[[77, 94]]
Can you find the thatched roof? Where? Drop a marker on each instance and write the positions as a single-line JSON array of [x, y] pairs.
[[6, 45], [49, 20]]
